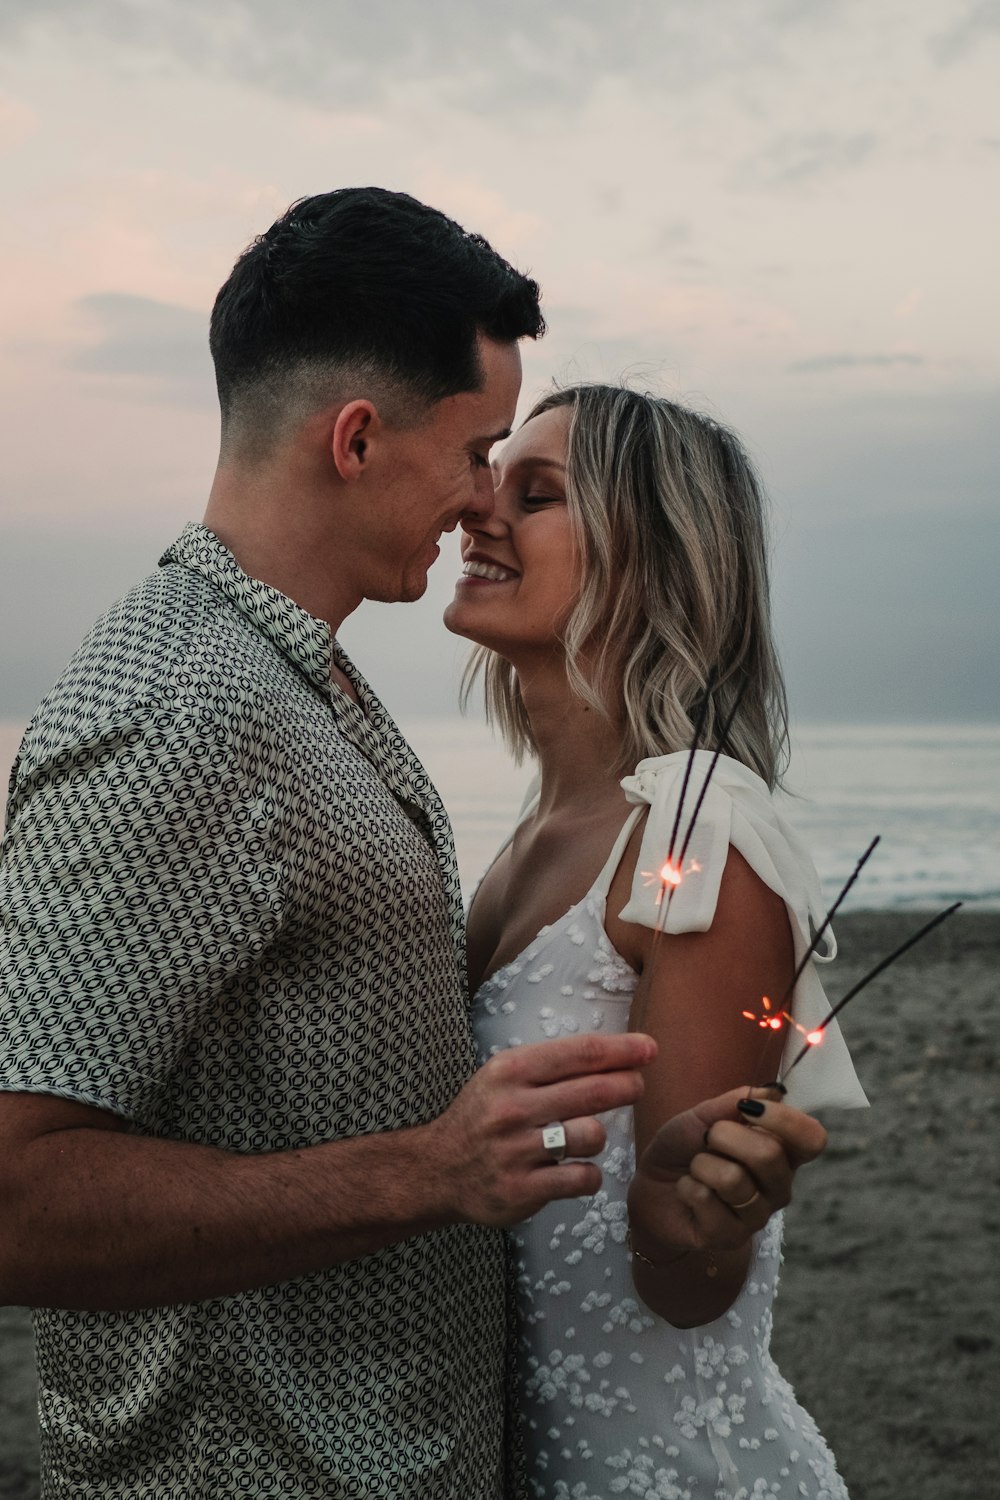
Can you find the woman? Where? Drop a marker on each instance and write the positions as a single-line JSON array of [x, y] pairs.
[[622, 571]]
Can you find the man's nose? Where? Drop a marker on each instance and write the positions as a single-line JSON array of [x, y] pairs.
[[481, 509]]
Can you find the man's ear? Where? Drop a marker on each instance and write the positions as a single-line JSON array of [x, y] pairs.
[[357, 424]]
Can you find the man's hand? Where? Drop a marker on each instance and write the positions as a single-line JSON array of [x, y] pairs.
[[488, 1143], [103, 1218]]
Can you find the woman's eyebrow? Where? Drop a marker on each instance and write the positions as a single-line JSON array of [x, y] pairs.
[[533, 461]]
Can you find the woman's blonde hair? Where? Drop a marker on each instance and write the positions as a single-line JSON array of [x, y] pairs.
[[669, 520]]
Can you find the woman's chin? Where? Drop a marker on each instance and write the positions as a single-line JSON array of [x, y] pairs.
[[462, 621], [456, 619]]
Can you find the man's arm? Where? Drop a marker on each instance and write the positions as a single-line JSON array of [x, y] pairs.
[[95, 1217], [121, 927]]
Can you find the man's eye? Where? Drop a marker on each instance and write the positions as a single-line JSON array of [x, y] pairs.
[[480, 461]]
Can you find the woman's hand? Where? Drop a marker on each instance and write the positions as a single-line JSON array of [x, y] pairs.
[[713, 1176]]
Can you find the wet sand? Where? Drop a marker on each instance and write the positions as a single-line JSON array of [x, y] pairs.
[[888, 1318]]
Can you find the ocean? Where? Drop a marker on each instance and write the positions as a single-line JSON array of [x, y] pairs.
[[932, 791]]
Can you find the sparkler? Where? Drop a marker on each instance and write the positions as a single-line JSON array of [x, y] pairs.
[[813, 1038], [671, 873], [723, 737], [774, 1018]]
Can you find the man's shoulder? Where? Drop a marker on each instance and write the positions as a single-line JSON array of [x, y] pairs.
[[140, 643], [174, 642]]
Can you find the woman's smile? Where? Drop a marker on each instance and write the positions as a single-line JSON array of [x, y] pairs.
[[480, 569], [526, 540]]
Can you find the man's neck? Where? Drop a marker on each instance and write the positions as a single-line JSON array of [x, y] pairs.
[[276, 535]]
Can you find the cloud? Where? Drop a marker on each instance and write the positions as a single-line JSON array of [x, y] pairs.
[[674, 233], [154, 342], [544, 57], [820, 364], [17, 122], [792, 159], [980, 23], [890, 616], [884, 580]]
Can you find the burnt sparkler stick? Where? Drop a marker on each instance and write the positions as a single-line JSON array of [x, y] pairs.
[[695, 741], [800, 966], [669, 873], [816, 1035], [774, 1022], [723, 736], [673, 873]]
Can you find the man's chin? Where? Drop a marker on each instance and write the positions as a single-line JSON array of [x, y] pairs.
[[407, 591], [413, 591]]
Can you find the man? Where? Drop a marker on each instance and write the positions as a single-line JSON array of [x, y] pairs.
[[246, 1165]]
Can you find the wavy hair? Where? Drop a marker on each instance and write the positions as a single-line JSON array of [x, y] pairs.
[[669, 519]]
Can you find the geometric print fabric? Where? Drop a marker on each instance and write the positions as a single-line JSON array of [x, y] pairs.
[[230, 914]]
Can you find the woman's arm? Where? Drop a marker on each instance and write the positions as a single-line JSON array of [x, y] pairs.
[[697, 1154]]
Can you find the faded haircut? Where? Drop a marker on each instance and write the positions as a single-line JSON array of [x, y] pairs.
[[360, 292]]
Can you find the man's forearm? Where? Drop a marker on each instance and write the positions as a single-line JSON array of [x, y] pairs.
[[93, 1217], [98, 1219]]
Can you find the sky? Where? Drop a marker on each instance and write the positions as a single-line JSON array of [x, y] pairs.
[[783, 211]]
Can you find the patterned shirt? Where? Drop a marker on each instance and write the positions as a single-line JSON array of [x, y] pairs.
[[230, 914]]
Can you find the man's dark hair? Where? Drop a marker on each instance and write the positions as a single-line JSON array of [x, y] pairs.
[[362, 281]]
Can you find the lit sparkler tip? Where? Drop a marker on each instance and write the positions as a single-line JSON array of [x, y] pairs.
[[813, 1037], [669, 874], [766, 1018]]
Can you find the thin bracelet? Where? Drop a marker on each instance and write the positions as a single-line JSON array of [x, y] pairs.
[[711, 1268]]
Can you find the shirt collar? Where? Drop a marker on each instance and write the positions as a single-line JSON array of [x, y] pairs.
[[310, 646], [306, 641]]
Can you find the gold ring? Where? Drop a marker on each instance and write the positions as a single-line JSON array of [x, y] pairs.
[[739, 1207]]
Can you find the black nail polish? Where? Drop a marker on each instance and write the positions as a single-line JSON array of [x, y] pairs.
[[752, 1107]]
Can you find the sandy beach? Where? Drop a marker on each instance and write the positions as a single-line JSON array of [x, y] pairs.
[[888, 1318]]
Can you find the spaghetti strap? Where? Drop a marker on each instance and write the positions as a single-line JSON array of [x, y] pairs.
[[602, 884]]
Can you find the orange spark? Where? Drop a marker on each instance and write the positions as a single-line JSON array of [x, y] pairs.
[[766, 1019]]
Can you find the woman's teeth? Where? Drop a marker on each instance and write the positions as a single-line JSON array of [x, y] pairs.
[[487, 570]]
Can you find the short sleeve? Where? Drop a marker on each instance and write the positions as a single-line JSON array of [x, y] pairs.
[[737, 810], [139, 873]]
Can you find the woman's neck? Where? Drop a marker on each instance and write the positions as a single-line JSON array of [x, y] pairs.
[[578, 748]]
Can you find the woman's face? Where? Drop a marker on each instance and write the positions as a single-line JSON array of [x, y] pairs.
[[521, 576]]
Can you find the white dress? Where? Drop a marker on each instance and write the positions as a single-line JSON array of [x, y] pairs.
[[617, 1401]]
